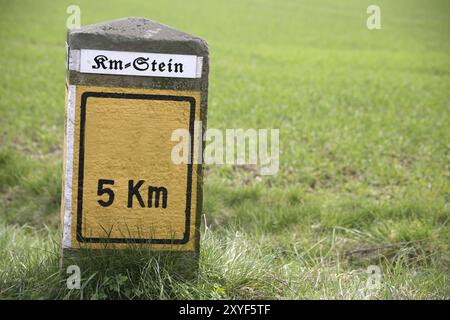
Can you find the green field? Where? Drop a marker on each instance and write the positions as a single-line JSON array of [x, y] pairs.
[[364, 179]]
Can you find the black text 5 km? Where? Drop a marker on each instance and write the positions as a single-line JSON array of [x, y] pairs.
[[155, 196]]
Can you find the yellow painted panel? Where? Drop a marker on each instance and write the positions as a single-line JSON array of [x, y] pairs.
[[125, 138]]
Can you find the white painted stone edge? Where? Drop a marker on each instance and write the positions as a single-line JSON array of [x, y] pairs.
[[68, 187], [198, 72], [74, 59]]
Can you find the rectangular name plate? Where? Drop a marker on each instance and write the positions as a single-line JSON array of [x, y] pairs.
[[135, 63]]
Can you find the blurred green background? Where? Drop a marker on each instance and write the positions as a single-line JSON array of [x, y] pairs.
[[364, 164]]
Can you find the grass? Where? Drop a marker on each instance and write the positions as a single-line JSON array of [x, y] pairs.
[[364, 168]]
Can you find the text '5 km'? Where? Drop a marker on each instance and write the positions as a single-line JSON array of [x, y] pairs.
[[156, 196]]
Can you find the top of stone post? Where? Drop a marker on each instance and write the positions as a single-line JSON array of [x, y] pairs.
[[136, 34]]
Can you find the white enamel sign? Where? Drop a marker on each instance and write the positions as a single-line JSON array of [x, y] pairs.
[[135, 63]]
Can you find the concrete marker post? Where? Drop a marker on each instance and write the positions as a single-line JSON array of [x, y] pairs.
[[130, 83]]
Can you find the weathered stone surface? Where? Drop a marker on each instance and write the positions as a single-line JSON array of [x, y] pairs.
[[141, 35]]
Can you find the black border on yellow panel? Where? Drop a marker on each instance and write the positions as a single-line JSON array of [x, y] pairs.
[[107, 95]]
